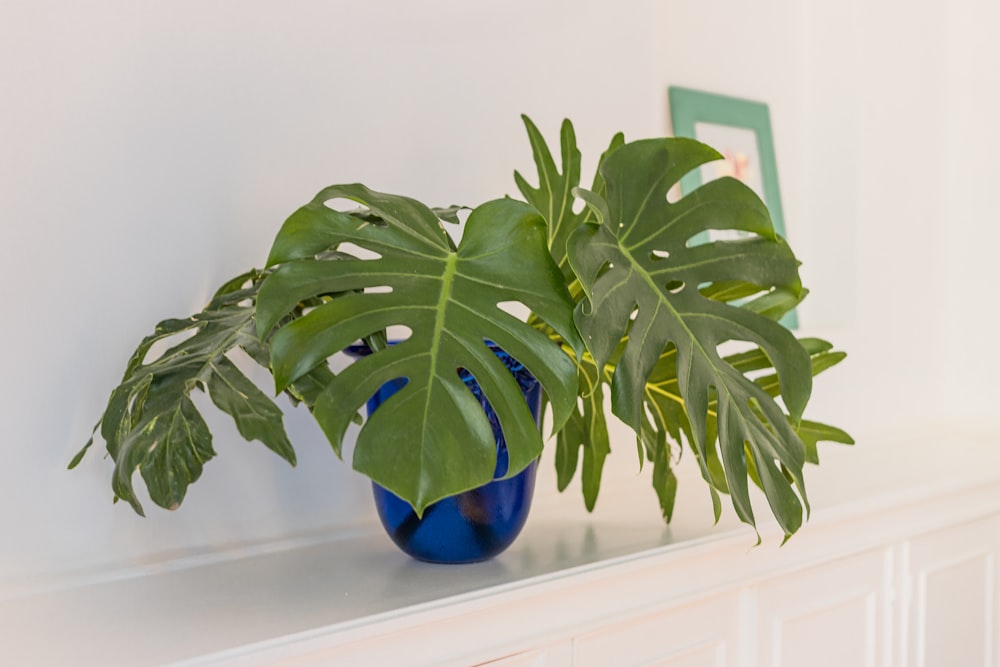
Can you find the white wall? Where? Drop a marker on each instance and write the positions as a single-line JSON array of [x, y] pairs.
[[972, 218], [150, 150], [857, 98]]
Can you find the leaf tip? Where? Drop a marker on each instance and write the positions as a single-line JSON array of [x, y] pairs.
[[134, 504], [79, 455]]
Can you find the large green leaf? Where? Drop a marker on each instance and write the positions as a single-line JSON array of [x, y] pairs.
[[643, 280], [664, 421], [150, 423], [430, 439]]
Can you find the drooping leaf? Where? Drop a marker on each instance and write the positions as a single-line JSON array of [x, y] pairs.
[[664, 481], [666, 406], [586, 430], [169, 449], [642, 279], [150, 423], [664, 401], [256, 416], [430, 439]]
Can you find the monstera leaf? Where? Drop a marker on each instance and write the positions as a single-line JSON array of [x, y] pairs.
[[430, 439], [151, 424], [643, 280], [663, 417]]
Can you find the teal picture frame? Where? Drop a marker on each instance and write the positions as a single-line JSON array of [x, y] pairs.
[[708, 116]]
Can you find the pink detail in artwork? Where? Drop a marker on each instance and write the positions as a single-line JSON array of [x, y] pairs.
[[736, 164]]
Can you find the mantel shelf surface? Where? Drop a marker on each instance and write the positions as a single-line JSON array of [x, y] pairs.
[[358, 580]]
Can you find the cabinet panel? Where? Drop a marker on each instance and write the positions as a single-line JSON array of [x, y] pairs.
[[533, 659], [441, 645], [555, 657], [712, 654], [828, 616], [951, 615], [704, 633]]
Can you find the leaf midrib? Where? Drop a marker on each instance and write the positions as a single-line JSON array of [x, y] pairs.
[[692, 339], [661, 298], [447, 282], [567, 187]]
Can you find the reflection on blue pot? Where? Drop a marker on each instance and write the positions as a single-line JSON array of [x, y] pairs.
[[471, 526]]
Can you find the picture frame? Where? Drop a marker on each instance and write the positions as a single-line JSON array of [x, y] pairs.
[[740, 129]]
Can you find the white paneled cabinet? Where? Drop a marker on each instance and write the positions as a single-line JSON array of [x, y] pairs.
[[949, 608], [930, 600], [552, 656], [705, 633], [830, 615]]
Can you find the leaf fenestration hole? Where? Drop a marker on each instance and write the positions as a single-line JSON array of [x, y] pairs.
[[578, 206], [745, 358], [385, 393], [730, 235], [674, 194], [674, 286], [157, 349], [658, 255], [358, 252], [345, 205], [379, 289], [397, 333], [515, 309]]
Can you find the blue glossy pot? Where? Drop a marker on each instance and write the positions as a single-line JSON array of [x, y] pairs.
[[475, 525]]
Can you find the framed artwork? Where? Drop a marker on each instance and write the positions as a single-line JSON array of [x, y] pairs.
[[741, 130]]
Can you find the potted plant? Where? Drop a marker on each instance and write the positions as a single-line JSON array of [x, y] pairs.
[[621, 300]]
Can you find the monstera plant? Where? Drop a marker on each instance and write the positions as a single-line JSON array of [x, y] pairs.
[[625, 297]]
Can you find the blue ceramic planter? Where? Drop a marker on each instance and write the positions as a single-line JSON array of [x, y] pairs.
[[475, 525]]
